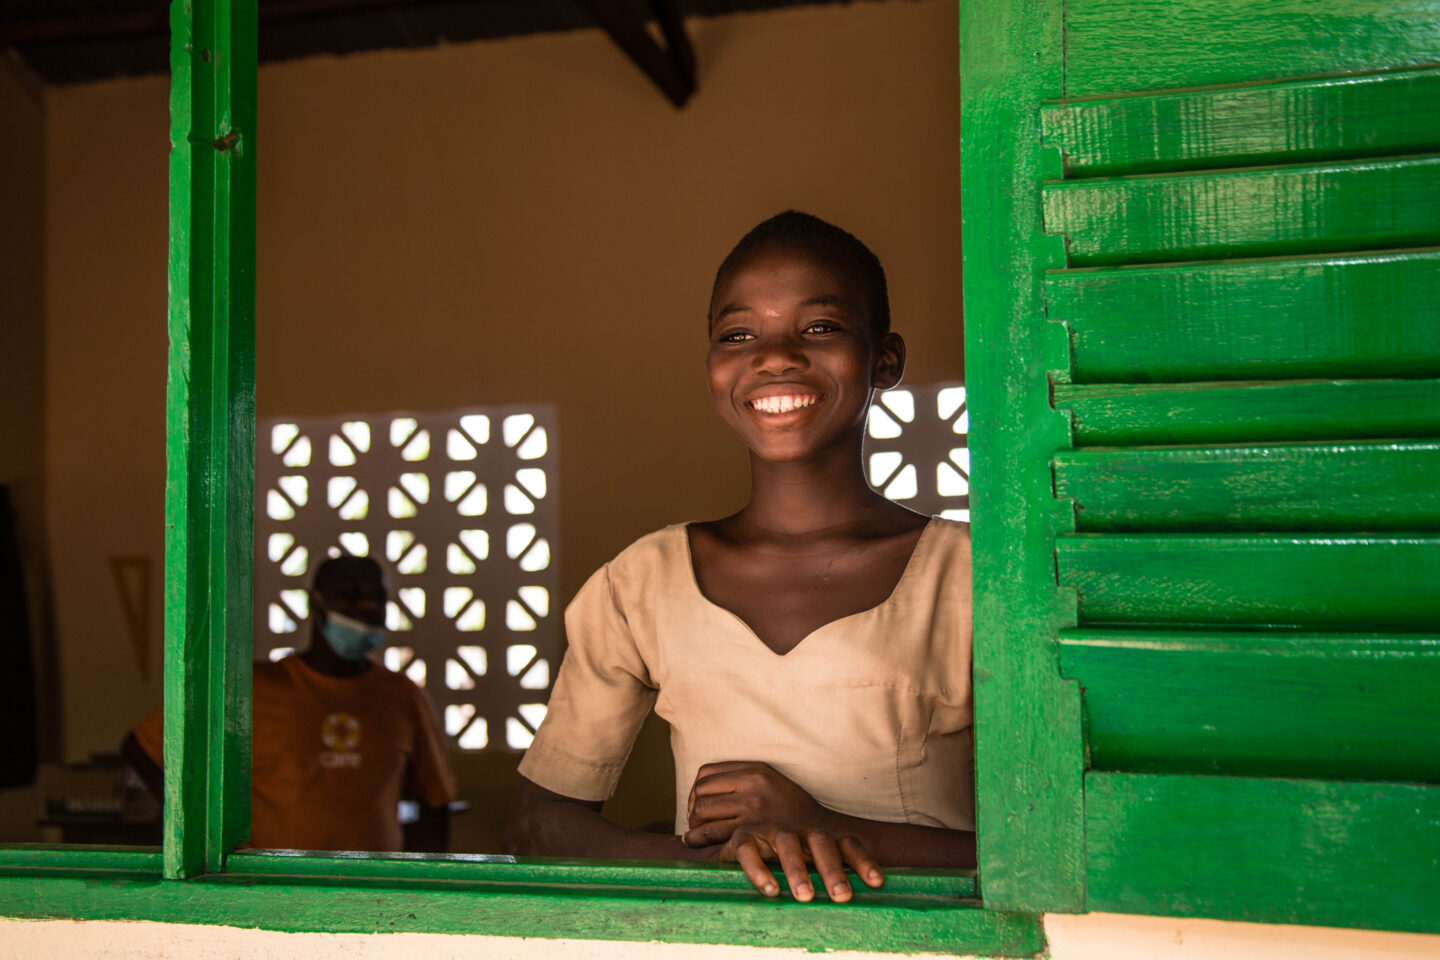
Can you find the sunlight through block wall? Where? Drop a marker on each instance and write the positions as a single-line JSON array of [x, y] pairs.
[[460, 508]]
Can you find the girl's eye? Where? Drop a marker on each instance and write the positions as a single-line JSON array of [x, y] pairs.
[[822, 326], [735, 336]]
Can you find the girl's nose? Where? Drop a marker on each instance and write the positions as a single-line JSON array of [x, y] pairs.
[[779, 354]]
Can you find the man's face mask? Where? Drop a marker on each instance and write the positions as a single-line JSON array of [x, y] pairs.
[[350, 638]]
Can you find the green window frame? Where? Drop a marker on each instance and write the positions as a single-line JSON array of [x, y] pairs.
[[1054, 835], [197, 876]]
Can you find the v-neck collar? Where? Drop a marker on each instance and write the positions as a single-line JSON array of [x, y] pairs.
[[922, 544]]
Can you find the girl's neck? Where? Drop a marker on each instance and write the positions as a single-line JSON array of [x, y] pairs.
[[813, 497]]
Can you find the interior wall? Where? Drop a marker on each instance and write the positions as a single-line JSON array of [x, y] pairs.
[[519, 220], [105, 242], [22, 351]]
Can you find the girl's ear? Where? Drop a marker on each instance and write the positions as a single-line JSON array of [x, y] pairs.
[[889, 361]]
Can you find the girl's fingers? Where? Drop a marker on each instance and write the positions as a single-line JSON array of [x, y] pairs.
[[827, 863], [754, 866], [725, 766], [705, 808], [792, 862], [861, 862], [720, 782], [712, 832]]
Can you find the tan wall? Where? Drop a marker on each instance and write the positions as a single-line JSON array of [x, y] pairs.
[[524, 220], [1089, 937], [22, 352], [105, 241]]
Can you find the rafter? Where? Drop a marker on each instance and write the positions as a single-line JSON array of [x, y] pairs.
[[672, 66]]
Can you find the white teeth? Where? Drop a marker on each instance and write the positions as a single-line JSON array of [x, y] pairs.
[[782, 404]]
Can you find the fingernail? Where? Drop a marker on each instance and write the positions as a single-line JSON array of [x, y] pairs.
[[839, 892], [804, 892], [771, 890]]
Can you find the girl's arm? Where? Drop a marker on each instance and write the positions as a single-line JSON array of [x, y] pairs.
[[547, 824]]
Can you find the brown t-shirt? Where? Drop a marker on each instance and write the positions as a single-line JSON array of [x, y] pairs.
[[871, 714], [330, 756]]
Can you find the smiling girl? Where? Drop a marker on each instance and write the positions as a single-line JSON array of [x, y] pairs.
[[810, 652]]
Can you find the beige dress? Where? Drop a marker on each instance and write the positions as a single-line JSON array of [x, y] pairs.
[[871, 714]]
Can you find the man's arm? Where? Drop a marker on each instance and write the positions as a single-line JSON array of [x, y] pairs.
[[150, 773], [548, 824]]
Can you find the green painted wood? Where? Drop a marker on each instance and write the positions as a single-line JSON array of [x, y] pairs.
[[1286, 704], [1269, 851], [874, 922], [1250, 212], [1131, 45], [1315, 581], [1337, 196], [1112, 414], [1291, 121], [506, 871], [210, 424], [1029, 761], [87, 860], [1369, 485], [1361, 316]]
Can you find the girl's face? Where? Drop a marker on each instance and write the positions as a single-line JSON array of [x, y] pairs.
[[793, 355]]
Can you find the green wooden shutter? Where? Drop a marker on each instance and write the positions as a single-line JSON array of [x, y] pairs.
[[1250, 286]]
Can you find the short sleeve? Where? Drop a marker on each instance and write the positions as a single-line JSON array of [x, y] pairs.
[[150, 734], [430, 772], [601, 697]]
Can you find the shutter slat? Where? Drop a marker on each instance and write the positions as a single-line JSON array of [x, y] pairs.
[[1250, 411], [1291, 121], [1251, 212], [1115, 45], [1267, 850], [1247, 703], [1363, 316], [1314, 581], [1373, 486]]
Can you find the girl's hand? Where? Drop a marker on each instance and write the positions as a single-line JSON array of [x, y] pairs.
[[727, 795], [756, 814]]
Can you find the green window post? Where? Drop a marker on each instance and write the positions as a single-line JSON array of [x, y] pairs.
[[210, 429]]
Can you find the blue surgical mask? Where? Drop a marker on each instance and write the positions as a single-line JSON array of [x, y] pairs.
[[350, 638]]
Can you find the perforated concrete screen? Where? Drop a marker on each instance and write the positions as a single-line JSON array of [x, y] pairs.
[[460, 507], [917, 451]]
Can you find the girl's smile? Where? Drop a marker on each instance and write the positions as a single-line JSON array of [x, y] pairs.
[[784, 403]]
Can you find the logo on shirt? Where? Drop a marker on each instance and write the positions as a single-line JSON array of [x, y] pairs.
[[340, 732]]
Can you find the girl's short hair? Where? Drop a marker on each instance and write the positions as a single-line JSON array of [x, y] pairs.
[[795, 229]]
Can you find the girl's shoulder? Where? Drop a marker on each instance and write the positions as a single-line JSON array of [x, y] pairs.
[[946, 529], [657, 552], [944, 545]]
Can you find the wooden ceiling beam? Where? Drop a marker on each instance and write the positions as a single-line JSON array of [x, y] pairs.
[[139, 24], [671, 67]]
